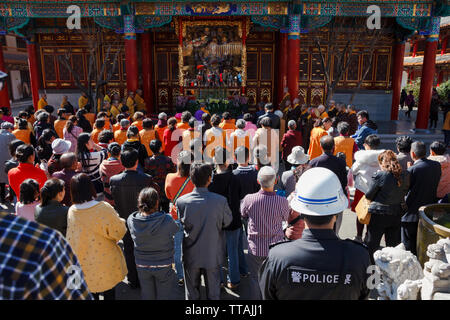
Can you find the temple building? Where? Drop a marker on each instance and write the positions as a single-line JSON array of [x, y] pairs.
[[415, 52], [216, 50]]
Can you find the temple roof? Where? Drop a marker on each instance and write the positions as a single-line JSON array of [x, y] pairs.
[[418, 61]]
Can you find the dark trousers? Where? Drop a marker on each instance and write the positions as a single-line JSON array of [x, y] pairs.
[[2, 192], [157, 283], [192, 281], [254, 264], [389, 225], [128, 247], [409, 236], [107, 295]]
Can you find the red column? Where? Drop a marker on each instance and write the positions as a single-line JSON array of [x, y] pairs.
[[426, 84], [293, 55], [399, 54], [34, 71], [4, 96], [131, 64], [440, 76], [444, 45], [283, 65], [415, 48], [147, 70]]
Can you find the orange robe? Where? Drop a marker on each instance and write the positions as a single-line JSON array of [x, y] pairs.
[[314, 142]]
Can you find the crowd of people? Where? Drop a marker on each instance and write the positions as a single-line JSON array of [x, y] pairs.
[[115, 194]]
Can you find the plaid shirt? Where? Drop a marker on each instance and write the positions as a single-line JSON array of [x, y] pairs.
[[37, 263]]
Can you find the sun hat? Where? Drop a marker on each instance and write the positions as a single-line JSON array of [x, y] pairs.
[[60, 146], [298, 156]]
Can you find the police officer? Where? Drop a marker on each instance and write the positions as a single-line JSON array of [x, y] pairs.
[[319, 265]]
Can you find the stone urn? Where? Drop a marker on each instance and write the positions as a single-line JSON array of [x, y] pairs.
[[434, 224]]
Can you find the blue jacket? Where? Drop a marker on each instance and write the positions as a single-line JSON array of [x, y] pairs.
[[363, 131]]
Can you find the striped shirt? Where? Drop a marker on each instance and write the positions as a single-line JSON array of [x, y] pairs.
[[266, 212], [93, 160]]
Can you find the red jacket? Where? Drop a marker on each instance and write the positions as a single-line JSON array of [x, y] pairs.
[[25, 171], [291, 139]]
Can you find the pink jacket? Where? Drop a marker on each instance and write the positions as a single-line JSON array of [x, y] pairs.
[[444, 183], [72, 137]]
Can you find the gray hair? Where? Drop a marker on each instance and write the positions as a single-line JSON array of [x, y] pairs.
[[162, 116], [240, 124], [266, 177], [419, 149], [292, 124]]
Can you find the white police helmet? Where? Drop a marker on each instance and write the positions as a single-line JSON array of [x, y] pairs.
[[318, 192]]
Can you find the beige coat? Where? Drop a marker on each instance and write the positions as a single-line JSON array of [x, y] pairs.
[[93, 234]]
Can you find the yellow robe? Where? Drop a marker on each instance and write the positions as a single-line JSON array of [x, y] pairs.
[[130, 105], [42, 103], [82, 102], [140, 103]]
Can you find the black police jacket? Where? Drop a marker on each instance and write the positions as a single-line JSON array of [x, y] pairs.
[[319, 266]]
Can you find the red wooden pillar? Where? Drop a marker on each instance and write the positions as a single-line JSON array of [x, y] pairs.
[[428, 70], [4, 96], [283, 65], [131, 56], [293, 55], [399, 54], [147, 70], [415, 48], [444, 45], [34, 71], [440, 77]]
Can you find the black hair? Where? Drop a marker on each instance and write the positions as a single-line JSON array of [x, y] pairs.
[[184, 163], [49, 109], [242, 154], [269, 106], [373, 141], [172, 124], [148, 200], [71, 123], [185, 116], [82, 189], [23, 114], [221, 155], [206, 117], [404, 144], [438, 147], [248, 117], [14, 145], [43, 117], [215, 120], [226, 115], [23, 152], [343, 128], [155, 146], [147, 123], [327, 143], [200, 173], [120, 116], [363, 113], [114, 149], [83, 152], [106, 136], [29, 189], [318, 220], [132, 131], [60, 113], [23, 124], [100, 123], [129, 157], [50, 190]]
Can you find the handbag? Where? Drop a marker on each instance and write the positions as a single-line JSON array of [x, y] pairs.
[[362, 210]]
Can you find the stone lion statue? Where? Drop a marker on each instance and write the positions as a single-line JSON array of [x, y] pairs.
[[402, 277], [397, 266]]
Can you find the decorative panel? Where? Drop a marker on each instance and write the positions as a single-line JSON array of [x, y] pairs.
[[316, 67], [162, 67], [353, 68], [365, 65], [174, 66], [252, 66], [266, 66], [49, 67], [304, 70], [382, 67]]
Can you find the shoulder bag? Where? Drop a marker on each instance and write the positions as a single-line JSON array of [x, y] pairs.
[[174, 201], [362, 210]]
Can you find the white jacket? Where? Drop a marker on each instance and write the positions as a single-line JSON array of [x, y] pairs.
[[364, 167]]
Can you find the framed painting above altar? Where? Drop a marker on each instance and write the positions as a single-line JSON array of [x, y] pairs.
[[212, 55]]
